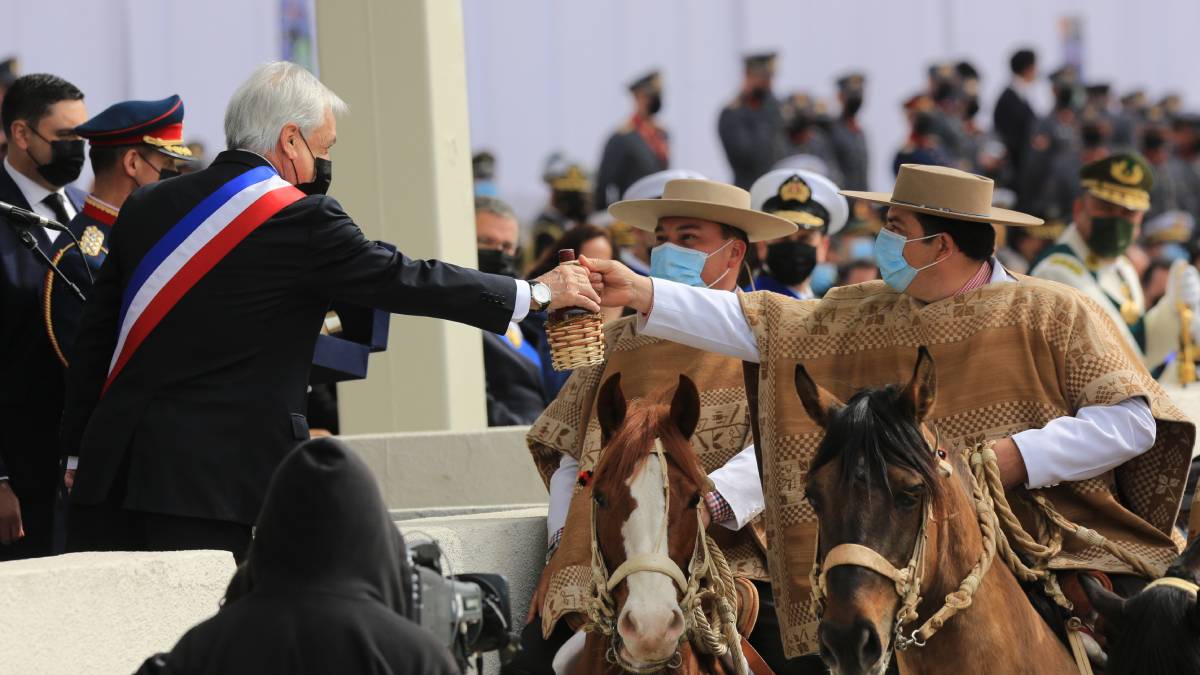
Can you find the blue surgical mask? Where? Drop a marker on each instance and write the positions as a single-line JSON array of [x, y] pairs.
[[684, 265], [823, 278], [889, 255]]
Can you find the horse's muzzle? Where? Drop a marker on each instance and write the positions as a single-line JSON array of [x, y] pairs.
[[853, 649]]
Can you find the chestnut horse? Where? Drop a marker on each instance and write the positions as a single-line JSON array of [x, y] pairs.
[[649, 550], [887, 497]]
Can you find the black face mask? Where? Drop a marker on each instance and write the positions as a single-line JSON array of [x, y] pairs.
[[165, 173], [654, 105], [759, 94], [791, 262], [1110, 236], [573, 205], [66, 161], [322, 174], [495, 261], [1153, 141], [852, 105], [971, 108]]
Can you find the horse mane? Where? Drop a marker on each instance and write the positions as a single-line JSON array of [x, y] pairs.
[[634, 441], [1158, 635], [873, 431]]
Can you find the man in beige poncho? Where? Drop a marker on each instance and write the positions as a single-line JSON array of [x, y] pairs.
[[705, 229], [1032, 365]]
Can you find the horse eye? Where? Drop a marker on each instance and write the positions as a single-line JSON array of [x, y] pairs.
[[910, 497], [694, 501], [600, 500]]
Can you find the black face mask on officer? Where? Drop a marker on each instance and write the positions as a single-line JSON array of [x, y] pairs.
[[66, 160], [572, 204], [322, 174], [496, 261], [791, 262], [852, 105], [654, 105]]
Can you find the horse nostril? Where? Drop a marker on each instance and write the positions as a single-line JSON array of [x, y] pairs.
[[628, 624], [871, 649], [853, 647], [676, 626], [826, 638]]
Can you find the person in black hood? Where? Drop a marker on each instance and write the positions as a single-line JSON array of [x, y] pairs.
[[323, 588]]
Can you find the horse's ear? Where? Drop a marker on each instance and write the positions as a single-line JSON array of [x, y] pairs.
[[610, 407], [685, 407], [818, 403], [1108, 604], [919, 394]]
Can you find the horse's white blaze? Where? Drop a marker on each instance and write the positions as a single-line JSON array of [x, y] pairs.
[[652, 599]]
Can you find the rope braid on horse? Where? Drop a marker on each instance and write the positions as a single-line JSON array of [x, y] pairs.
[[635, 438]]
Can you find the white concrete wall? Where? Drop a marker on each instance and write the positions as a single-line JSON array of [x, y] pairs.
[[443, 468], [103, 613]]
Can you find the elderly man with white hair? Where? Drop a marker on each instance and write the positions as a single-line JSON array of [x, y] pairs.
[[187, 383]]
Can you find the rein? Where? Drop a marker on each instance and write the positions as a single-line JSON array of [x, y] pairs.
[[710, 579]]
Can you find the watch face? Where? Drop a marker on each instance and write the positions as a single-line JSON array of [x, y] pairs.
[[541, 293]]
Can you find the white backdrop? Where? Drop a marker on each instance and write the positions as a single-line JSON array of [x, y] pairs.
[[551, 74]]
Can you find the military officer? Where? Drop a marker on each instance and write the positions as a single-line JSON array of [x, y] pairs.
[[812, 202], [570, 203], [637, 149], [751, 127], [849, 144], [1090, 256], [133, 143]]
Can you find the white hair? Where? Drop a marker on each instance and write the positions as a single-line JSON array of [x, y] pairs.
[[277, 93]]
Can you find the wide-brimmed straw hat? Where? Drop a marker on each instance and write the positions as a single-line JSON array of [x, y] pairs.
[[707, 200], [946, 192]]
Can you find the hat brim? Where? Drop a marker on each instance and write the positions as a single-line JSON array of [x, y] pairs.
[[994, 215], [644, 214], [176, 152]]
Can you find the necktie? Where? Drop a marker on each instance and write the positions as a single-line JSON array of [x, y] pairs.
[[55, 201]]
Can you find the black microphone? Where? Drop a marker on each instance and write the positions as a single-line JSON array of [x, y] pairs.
[[23, 216]]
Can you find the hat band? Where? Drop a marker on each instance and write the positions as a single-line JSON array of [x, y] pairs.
[[940, 209]]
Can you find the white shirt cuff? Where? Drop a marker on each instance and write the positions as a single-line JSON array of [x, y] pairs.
[[521, 304], [562, 488], [699, 317], [1095, 440], [72, 463], [739, 485]]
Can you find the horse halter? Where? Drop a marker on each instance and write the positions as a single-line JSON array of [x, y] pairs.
[[1173, 582], [907, 580], [602, 608]]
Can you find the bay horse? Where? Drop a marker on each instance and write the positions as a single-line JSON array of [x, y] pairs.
[[646, 492], [1157, 631], [891, 506]]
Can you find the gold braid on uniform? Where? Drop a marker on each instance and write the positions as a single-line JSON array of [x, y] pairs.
[[46, 294]]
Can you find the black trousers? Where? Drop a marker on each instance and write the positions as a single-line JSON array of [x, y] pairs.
[[537, 654], [106, 527]]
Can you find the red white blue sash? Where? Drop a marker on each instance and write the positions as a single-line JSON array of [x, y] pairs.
[[190, 249]]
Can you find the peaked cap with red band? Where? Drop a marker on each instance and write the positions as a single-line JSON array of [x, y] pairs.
[[158, 124]]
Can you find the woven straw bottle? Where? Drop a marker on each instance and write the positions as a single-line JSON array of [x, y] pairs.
[[576, 335]]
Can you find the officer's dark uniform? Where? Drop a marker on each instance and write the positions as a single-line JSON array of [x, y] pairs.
[[154, 126], [637, 149], [849, 143], [751, 129]]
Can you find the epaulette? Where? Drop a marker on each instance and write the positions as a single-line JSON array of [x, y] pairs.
[[1067, 262]]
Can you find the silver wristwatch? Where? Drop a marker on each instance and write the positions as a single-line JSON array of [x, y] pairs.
[[541, 295]]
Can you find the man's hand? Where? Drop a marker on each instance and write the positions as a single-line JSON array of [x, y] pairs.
[[705, 514], [619, 286], [69, 479], [11, 528], [539, 598], [1010, 463], [570, 286]]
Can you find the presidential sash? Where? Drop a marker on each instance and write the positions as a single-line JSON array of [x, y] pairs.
[[191, 248]]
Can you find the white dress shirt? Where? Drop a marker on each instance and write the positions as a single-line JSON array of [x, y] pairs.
[[34, 194], [1095, 440]]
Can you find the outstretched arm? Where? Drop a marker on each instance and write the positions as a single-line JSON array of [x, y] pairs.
[[697, 317]]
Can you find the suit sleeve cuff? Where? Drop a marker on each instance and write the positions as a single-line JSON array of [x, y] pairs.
[[521, 304], [72, 463]]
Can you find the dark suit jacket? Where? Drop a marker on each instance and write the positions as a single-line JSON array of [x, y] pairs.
[[1014, 119], [31, 386], [515, 393], [197, 420]]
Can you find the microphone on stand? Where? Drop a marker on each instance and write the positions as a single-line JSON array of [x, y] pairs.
[[21, 216]]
